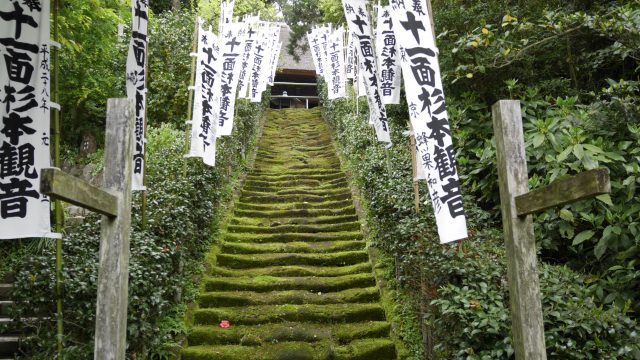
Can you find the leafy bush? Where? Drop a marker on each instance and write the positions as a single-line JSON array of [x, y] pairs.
[[466, 283], [185, 203]]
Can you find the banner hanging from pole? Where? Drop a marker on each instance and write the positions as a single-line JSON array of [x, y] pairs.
[[274, 62], [350, 62], [226, 15], [359, 23], [253, 36], [137, 85], [388, 57], [336, 80], [206, 98], [314, 45], [232, 49], [258, 65], [425, 98], [25, 113]]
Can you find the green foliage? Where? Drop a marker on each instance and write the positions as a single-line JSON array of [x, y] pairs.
[[186, 203], [171, 38], [209, 10], [302, 15], [469, 312], [92, 61]]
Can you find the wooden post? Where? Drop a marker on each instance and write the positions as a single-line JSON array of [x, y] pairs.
[[115, 205], [113, 277], [524, 290]]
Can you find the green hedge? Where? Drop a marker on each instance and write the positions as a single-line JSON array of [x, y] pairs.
[[466, 286]]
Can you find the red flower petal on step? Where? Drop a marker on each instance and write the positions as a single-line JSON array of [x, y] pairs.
[[224, 324]]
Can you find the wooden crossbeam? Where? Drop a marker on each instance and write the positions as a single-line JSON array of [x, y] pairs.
[[57, 184], [582, 186]]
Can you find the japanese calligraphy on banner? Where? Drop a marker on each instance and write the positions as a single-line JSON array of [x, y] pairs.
[[259, 55], [244, 81], [336, 80], [314, 45], [206, 98], [274, 62], [232, 49], [350, 63], [428, 114], [324, 32], [24, 109], [358, 19], [388, 58], [226, 15], [137, 85], [271, 38]]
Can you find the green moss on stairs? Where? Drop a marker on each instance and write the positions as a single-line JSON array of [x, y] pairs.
[[292, 247], [268, 283], [291, 272], [330, 314], [275, 333], [220, 298], [243, 261]]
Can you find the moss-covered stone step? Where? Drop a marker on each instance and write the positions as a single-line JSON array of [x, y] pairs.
[[294, 165], [292, 247], [254, 335], [258, 260], [293, 270], [254, 220], [367, 349], [299, 297], [297, 191], [291, 237], [307, 213], [254, 315], [314, 171], [309, 229], [328, 205], [297, 175], [273, 283], [274, 198], [295, 183], [315, 188]]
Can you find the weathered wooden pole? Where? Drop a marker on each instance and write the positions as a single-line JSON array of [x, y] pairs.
[[113, 276], [522, 272]]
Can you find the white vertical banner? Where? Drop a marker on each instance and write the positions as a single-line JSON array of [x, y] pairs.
[[205, 115], [232, 49], [425, 97], [314, 45], [324, 32], [336, 80], [359, 23], [274, 62], [258, 65], [226, 15], [350, 62], [273, 34], [362, 88], [137, 85], [244, 81], [388, 57], [25, 113]]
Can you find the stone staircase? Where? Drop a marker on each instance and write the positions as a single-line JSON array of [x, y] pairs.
[[292, 275], [8, 338]]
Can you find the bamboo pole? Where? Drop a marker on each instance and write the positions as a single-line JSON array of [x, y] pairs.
[[144, 144], [194, 48], [56, 163]]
